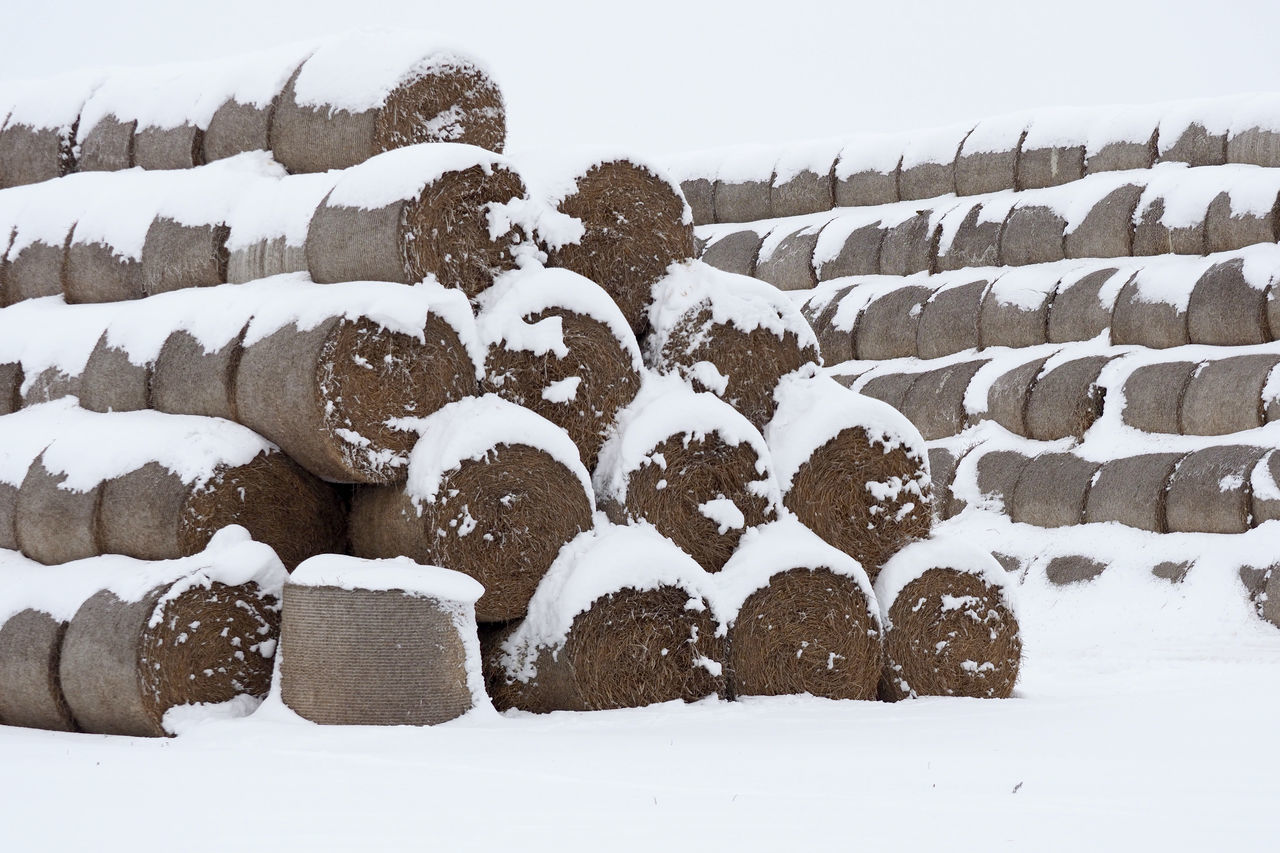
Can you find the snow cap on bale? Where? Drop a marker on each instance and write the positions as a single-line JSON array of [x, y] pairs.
[[689, 464], [619, 621], [950, 623], [802, 616], [268, 226], [853, 469], [728, 334], [557, 344], [244, 105], [38, 139]]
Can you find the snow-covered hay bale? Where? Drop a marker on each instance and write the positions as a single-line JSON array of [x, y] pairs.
[[910, 246], [1048, 165], [190, 379], [950, 625], [52, 383], [269, 226], [111, 382], [494, 491], [731, 335], [1210, 492], [1142, 317], [927, 168], [632, 223], [1228, 307], [135, 652], [975, 243], [329, 380], [942, 471], [55, 525], [359, 96], [1226, 229], [1153, 236], [1066, 399], [866, 173], [1007, 397], [735, 252], [620, 621], [1225, 395], [242, 121], [988, 158], [1033, 234], [935, 401], [1130, 490], [30, 690], [744, 182], [891, 388], [949, 320], [38, 139], [105, 145], [415, 212], [852, 469], [34, 269], [11, 377], [1052, 489], [379, 643], [701, 195], [95, 272], [176, 255], [558, 345], [997, 474], [1079, 310], [835, 344], [802, 617], [888, 327], [1106, 231], [803, 179], [1153, 396], [859, 252], [786, 258], [1191, 142], [1015, 309]]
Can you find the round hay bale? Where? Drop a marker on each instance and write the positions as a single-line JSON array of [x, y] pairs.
[[1079, 310], [997, 476], [269, 223], [1049, 166], [1107, 229], [1139, 319], [1033, 234], [112, 382], [852, 469], [188, 379], [1015, 311], [865, 177], [744, 200], [927, 180], [1052, 490], [910, 246], [559, 346], [730, 335], [807, 191], [1193, 144], [1153, 396], [976, 243], [31, 155], [263, 259], [1123, 155], [859, 253], [236, 127], [1225, 395], [379, 643], [635, 224], [1256, 146], [942, 471], [701, 195], [1152, 237], [35, 270], [834, 343], [950, 628], [30, 692], [802, 617], [1130, 490], [415, 212], [735, 253], [175, 256], [890, 388], [330, 395], [1210, 491], [935, 401], [620, 622], [987, 171], [10, 387], [889, 326], [125, 663], [494, 491], [787, 263], [1066, 399], [53, 523], [97, 272], [179, 147], [1227, 309], [1072, 568], [107, 146], [1225, 231], [949, 320], [1008, 395]]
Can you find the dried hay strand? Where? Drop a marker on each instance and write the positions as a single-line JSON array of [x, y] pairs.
[[997, 476], [1158, 325], [440, 100], [11, 376], [1225, 231], [1008, 395], [107, 146], [1052, 490], [186, 379], [859, 253], [96, 272], [55, 525], [1039, 168], [176, 256], [701, 195], [790, 265], [1196, 146], [735, 253], [949, 320], [889, 325], [910, 246], [1131, 490], [1226, 309], [935, 401], [635, 227], [126, 663], [179, 147], [976, 243], [326, 395], [30, 689], [1153, 237], [1107, 229], [1066, 400], [35, 271], [1255, 146], [1210, 491], [1225, 395], [744, 200], [1015, 323], [1077, 311], [1153, 396], [1122, 156], [1072, 568], [111, 382], [1032, 234]]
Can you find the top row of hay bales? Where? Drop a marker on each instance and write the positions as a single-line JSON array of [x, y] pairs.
[[315, 107]]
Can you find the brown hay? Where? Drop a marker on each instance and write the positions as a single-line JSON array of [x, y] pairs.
[[1076, 313], [889, 388], [1073, 568], [909, 247], [804, 193], [1153, 396], [175, 256], [236, 128], [830, 495], [790, 265], [983, 172], [1254, 146], [180, 147], [10, 387], [304, 389], [926, 646], [1210, 491], [1225, 396], [1196, 146], [1066, 400], [95, 272], [701, 195], [186, 380], [935, 401], [998, 473], [975, 244], [54, 525], [1226, 310], [1032, 235], [1010, 324], [808, 631], [35, 271], [1008, 395], [942, 472], [120, 675], [1158, 325], [949, 320], [609, 381], [1052, 490], [107, 146], [1124, 156], [1131, 490], [734, 252], [1107, 229], [1225, 231], [111, 382], [1053, 166], [858, 255], [501, 519], [1151, 237], [631, 648], [744, 201], [889, 325], [30, 691], [371, 658], [698, 470], [31, 156]]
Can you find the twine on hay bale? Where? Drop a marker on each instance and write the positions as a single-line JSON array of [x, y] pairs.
[[107, 146], [859, 253], [1131, 490], [1225, 395], [890, 388], [1066, 400], [175, 256], [559, 346], [1153, 396], [976, 243], [1195, 145], [1052, 490], [1227, 309], [1138, 320], [35, 270], [949, 320], [1072, 568], [1014, 317], [1153, 237], [889, 325], [935, 401], [997, 476], [1225, 230], [1210, 492], [1256, 146], [1033, 234], [187, 379], [379, 642], [1008, 395], [1124, 155], [802, 617], [494, 491], [910, 246], [950, 625], [30, 691], [620, 622], [1107, 229], [1078, 311], [735, 253], [788, 264], [852, 469], [1050, 166]]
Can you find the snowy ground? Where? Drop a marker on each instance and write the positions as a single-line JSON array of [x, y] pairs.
[[1142, 722]]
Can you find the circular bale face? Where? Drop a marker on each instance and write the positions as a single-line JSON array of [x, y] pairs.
[[753, 362], [950, 634], [453, 102], [861, 499], [808, 631], [635, 229], [30, 691], [580, 393], [677, 498]]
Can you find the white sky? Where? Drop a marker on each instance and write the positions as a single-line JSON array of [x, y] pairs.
[[672, 75]]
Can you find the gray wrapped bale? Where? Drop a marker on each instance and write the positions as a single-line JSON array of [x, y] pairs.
[[787, 264], [1225, 395], [1257, 146], [1008, 395], [96, 272], [910, 246], [1210, 491], [927, 169], [891, 388], [1033, 234], [1153, 396], [176, 255], [1079, 311], [1015, 311], [976, 242], [804, 181], [180, 147], [863, 179], [53, 524], [735, 252], [835, 344], [1140, 319], [935, 401], [188, 379], [242, 122], [888, 326], [743, 191], [942, 470], [1052, 490], [1130, 490], [988, 160], [106, 145], [949, 320], [112, 382], [859, 252], [1226, 230], [269, 224], [1066, 400], [37, 142], [1107, 229], [1049, 166], [1121, 155]]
